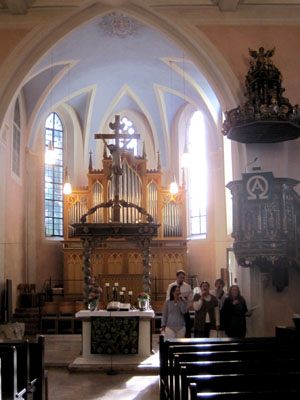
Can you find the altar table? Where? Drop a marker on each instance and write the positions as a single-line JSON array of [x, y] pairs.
[[144, 329]]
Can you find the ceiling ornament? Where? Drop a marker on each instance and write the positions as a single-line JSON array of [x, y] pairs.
[[116, 24], [267, 116]]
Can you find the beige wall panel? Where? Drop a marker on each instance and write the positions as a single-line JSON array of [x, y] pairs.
[[135, 263], [97, 264], [115, 263]]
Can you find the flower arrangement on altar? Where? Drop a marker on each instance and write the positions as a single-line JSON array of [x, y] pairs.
[[143, 295], [94, 293], [143, 301]]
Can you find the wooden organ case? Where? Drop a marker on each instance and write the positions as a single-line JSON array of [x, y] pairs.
[[118, 259]]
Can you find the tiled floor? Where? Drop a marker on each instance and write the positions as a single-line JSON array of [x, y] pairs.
[[61, 350]]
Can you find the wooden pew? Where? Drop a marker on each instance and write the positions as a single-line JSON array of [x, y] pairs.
[[66, 317], [37, 368], [229, 355], [275, 382], [231, 367], [49, 318], [30, 366], [257, 395], [9, 381], [173, 346]]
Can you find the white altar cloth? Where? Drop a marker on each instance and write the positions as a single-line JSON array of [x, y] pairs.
[[145, 317]]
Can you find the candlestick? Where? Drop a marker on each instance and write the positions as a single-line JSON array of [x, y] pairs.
[[115, 293], [107, 291], [130, 295]]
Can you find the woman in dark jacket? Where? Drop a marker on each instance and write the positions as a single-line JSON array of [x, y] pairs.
[[233, 313]]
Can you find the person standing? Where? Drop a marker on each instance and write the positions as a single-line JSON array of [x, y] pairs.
[[207, 315], [234, 312], [186, 293], [220, 295], [173, 322]]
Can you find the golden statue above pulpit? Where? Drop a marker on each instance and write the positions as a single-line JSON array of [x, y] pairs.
[[123, 209]]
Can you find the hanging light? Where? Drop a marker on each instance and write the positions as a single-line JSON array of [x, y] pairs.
[[67, 184], [173, 187], [50, 154], [185, 159]]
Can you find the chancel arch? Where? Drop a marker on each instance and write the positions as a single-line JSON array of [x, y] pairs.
[[86, 112]]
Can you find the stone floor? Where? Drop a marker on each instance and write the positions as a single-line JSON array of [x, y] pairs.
[[60, 352]]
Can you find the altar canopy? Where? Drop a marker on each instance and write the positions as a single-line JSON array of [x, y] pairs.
[[126, 203]]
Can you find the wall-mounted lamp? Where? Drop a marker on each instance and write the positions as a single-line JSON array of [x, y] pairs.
[[67, 184]]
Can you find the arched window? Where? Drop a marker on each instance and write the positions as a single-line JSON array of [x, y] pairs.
[[197, 176], [16, 145], [129, 128], [54, 178]]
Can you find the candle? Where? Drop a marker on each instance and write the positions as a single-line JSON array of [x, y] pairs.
[[130, 293], [116, 284], [124, 289], [121, 293], [107, 284]]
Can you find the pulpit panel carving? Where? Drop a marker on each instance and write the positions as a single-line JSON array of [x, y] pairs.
[[265, 228]]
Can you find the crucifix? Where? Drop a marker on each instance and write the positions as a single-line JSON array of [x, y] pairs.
[[115, 151]]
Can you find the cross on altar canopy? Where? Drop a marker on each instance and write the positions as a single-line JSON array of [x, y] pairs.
[[114, 149]]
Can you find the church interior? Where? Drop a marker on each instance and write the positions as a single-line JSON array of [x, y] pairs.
[[184, 79]]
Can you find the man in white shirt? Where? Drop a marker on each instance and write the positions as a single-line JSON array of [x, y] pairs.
[[186, 292]]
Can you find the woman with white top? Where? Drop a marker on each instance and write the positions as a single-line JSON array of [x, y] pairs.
[[173, 322]]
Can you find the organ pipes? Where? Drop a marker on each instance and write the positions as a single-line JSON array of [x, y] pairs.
[[152, 201], [74, 214], [130, 191], [97, 199], [172, 220]]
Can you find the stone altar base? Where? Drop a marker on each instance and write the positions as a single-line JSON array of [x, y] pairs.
[[144, 362]]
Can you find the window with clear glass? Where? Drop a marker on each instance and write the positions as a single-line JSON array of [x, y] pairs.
[[197, 176], [16, 146], [54, 207], [130, 129]]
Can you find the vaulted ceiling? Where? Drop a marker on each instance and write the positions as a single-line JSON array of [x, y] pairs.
[[116, 63]]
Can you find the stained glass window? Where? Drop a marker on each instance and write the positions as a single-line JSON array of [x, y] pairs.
[[129, 128], [197, 176], [54, 207]]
